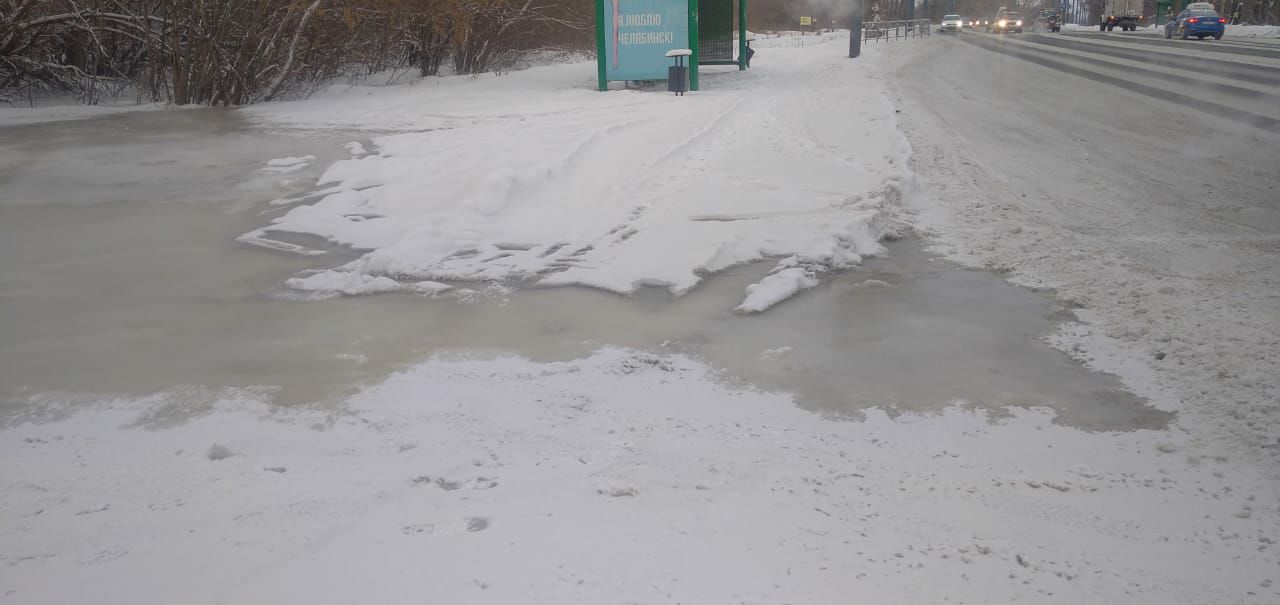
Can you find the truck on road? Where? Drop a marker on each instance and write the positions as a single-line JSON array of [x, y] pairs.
[[1125, 14]]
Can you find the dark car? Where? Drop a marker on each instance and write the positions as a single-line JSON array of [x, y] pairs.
[[1200, 23]]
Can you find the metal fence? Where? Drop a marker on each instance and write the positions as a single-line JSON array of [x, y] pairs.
[[894, 30]]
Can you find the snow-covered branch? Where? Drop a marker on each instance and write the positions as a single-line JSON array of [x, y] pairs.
[[293, 50]]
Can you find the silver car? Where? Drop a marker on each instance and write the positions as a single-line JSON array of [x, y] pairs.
[[951, 23]]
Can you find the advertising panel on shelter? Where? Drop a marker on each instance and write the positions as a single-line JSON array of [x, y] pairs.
[[638, 34]]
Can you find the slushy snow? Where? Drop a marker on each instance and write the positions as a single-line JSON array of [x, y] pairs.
[[548, 183]]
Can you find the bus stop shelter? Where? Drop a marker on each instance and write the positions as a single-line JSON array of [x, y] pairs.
[[634, 36]]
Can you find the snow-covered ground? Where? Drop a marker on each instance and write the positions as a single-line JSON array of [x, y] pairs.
[[630, 476], [624, 477], [1253, 31], [615, 191]]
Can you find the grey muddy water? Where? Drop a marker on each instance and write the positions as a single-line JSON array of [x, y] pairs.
[[120, 276]]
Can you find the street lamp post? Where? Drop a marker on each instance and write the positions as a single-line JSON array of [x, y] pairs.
[[855, 29]]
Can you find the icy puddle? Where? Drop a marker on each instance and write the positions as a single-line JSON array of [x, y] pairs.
[[109, 285]]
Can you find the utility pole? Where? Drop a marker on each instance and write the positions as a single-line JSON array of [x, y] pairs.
[[855, 29]]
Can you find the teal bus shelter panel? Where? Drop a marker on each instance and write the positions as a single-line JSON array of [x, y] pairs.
[[638, 34]]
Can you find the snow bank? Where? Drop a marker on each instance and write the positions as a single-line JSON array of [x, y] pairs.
[[544, 182], [794, 39], [441, 102], [625, 477], [1253, 31]]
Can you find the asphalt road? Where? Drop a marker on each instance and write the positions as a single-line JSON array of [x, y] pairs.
[[1136, 176], [1233, 79]]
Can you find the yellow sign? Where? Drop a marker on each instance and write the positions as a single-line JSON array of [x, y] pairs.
[[806, 20]]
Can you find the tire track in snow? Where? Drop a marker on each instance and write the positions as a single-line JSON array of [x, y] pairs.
[[646, 196]]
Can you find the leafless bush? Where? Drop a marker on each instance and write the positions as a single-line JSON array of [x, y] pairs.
[[240, 51]]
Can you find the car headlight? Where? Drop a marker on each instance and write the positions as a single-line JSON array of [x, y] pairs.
[[1001, 22], [1019, 23]]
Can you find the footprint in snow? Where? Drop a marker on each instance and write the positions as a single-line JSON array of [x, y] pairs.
[[468, 525], [450, 486]]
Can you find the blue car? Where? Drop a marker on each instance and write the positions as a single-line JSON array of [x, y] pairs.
[[1198, 22]]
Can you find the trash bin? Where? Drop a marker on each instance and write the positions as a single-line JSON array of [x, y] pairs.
[[678, 74], [678, 79]]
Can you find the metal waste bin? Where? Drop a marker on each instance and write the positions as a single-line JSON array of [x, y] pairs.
[[678, 79], [678, 74]]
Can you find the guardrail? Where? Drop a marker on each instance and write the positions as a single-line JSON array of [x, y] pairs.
[[894, 30]]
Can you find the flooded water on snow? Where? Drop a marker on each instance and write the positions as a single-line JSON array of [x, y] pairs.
[[120, 275]]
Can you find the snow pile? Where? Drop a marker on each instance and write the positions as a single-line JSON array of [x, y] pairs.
[[351, 284], [776, 288], [335, 283], [558, 185], [1253, 31], [625, 477]]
